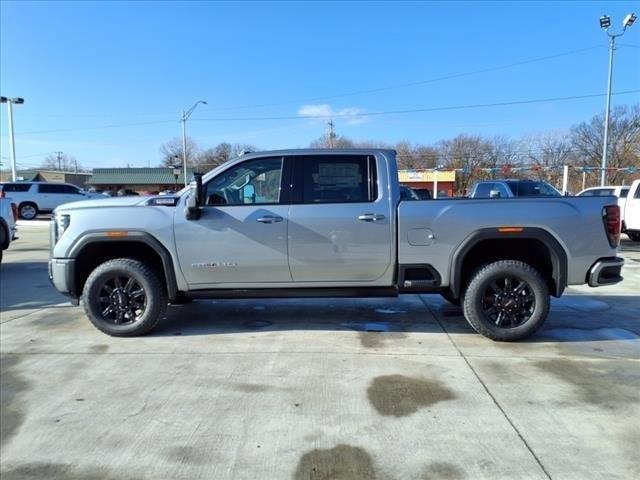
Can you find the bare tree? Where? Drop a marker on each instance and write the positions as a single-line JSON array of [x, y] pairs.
[[61, 161], [624, 142], [210, 158], [337, 141], [415, 156], [171, 152]]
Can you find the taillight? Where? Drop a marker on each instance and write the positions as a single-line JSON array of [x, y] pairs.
[[14, 210], [612, 224]]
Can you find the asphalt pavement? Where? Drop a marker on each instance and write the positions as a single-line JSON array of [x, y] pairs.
[[315, 389]]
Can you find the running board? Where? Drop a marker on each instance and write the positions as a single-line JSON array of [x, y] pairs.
[[333, 292]]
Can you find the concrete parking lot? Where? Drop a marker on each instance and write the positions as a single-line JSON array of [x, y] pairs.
[[316, 389]]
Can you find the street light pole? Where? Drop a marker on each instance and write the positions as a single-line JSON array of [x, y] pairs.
[[605, 23], [183, 119], [12, 140]]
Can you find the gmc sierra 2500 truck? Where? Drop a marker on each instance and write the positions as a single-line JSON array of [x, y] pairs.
[[301, 223]]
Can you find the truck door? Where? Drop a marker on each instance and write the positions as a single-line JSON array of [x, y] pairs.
[[241, 236], [340, 225], [632, 208]]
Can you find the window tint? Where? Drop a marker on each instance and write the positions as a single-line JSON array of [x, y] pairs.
[[338, 179], [533, 189], [15, 187], [587, 193], [57, 188], [483, 189], [624, 192], [254, 182], [637, 194]]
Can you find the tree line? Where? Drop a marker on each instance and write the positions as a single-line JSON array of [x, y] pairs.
[[477, 157]]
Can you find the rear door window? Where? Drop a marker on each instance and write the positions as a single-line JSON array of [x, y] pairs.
[[338, 179]]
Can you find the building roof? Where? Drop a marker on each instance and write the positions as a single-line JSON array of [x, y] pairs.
[[409, 176], [137, 176]]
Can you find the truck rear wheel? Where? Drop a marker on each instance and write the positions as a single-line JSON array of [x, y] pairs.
[[124, 298], [634, 236], [506, 301]]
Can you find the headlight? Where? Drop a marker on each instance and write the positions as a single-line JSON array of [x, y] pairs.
[[61, 224]]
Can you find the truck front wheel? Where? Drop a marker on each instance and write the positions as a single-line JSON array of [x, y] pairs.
[[506, 301], [124, 298]]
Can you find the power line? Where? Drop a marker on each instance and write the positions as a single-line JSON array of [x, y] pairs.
[[380, 89], [415, 83], [416, 110], [345, 115]]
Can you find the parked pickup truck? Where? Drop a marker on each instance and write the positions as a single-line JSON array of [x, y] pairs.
[[632, 212], [301, 223]]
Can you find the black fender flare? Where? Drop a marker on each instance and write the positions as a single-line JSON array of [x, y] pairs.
[[132, 236], [559, 261]]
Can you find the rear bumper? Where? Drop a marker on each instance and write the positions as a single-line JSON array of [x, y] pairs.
[[62, 276], [606, 271]]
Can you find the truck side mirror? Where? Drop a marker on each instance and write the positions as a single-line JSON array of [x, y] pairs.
[[194, 199], [494, 194]]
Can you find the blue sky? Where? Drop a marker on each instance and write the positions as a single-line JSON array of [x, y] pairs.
[[84, 66]]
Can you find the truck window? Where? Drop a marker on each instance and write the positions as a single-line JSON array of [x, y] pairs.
[[15, 187], [624, 192], [254, 182], [483, 190], [57, 188], [338, 179]]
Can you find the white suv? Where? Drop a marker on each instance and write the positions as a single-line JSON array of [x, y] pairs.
[[36, 197], [8, 212]]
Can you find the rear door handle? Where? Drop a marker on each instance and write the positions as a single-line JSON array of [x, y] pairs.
[[371, 217], [269, 219]]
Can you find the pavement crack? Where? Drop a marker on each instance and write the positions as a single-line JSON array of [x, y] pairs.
[[486, 389]]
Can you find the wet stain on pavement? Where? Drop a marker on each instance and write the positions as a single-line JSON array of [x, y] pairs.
[[443, 470], [341, 462], [102, 348], [12, 409], [399, 396], [56, 471], [252, 387], [378, 339], [603, 387], [188, 455]]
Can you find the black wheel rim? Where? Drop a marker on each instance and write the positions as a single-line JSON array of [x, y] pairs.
[[122, 300], [508, 302]]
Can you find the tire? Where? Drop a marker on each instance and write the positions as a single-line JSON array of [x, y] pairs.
[[113, 302], [498, 306], [634, 236], [447, 295], [28, 210]]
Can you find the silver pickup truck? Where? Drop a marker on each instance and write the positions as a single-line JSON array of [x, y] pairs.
[[309, 223]]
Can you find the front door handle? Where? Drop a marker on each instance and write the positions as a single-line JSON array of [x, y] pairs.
[[269, 219], [371, 217]]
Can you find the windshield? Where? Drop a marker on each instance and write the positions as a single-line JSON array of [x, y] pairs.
[[533, 189]]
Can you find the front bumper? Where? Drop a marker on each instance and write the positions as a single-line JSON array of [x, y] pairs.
[[606, 271], [62, 276]]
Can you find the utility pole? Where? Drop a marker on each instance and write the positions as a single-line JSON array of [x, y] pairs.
[[12, 141], [331, 134], [605, 23], [75, 165], [185, 116], [59, 156]]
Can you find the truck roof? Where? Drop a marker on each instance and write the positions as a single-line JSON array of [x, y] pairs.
[[320, 151]]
